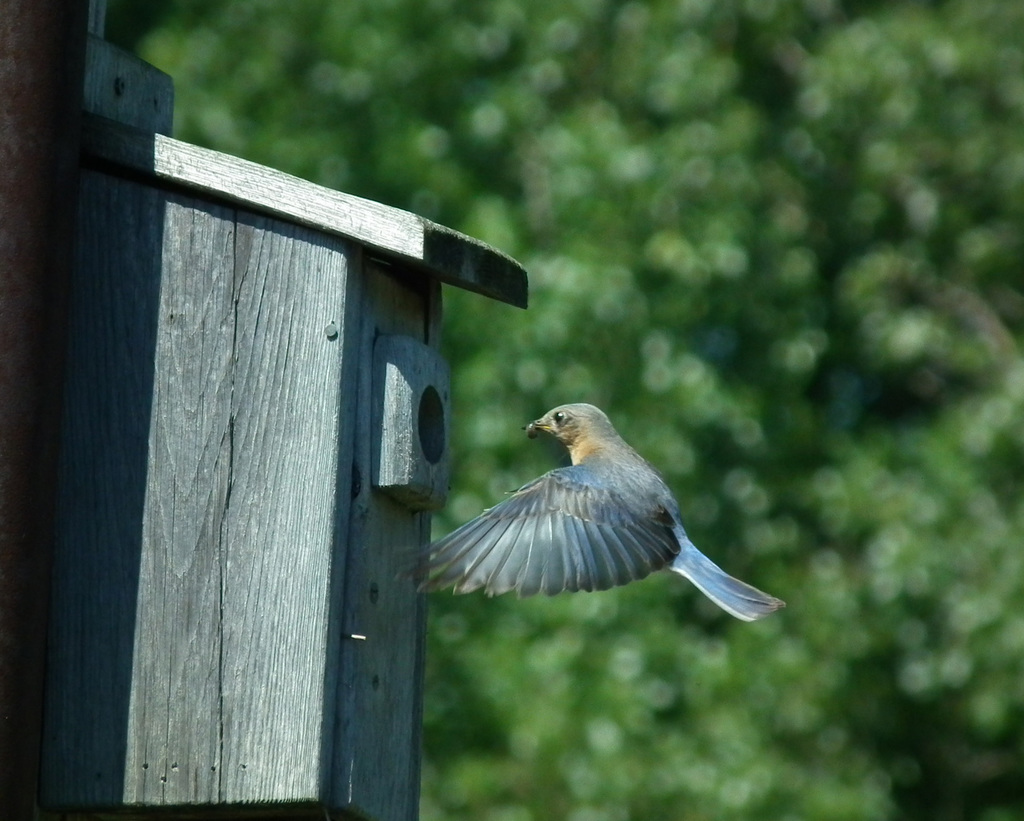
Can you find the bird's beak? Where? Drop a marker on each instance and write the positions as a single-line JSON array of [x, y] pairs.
[[533, 427]]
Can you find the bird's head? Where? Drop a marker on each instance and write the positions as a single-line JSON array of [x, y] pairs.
[[583, 429]]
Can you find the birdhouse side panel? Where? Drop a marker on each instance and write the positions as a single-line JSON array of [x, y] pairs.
[[103, 466], [377, 756]]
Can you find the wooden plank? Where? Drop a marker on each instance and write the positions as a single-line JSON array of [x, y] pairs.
[[97, 16], [376, 764], [430, 249], [459, 260], [121, 87], [173, 755], [278, 653], [411, 401], [101, 495]]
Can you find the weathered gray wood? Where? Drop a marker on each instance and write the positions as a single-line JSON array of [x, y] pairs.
[[97, 16], [436, 251], [231, 627], [410, 422], [411, 415], [376, 764], [121, 87], [174, 720], [205, 488], [101, 494], [294, 323]]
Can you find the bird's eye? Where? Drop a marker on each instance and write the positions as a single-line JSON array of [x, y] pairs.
[[559, 418]]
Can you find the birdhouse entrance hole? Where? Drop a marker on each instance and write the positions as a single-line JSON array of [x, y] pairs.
[[431, 425]]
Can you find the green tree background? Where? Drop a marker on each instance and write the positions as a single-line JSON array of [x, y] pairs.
[[780, 242]]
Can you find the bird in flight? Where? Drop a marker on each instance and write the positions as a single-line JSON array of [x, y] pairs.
[[606, 520]]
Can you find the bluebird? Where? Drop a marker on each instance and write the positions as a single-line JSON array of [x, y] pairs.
[[606, 520]]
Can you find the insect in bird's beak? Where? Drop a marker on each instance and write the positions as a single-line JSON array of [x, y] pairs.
[[533, 427]]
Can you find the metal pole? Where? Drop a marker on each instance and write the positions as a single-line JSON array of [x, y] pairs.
[[42, 55]]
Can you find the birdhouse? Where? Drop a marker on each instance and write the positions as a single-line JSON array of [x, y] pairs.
[[255, 431]]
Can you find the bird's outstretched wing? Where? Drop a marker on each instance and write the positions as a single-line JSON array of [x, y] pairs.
[[563, 531]]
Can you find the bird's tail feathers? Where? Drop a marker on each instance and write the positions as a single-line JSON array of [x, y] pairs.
[[735, 597]]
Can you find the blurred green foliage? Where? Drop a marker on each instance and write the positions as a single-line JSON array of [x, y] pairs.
[[780, 242]]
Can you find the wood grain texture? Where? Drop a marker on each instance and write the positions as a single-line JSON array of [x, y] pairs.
[[411, 422], [174, 717], [426, 248], [280, 525], [376, 764], [204, 506], [101, 492], [121, 87], [220, 542]]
